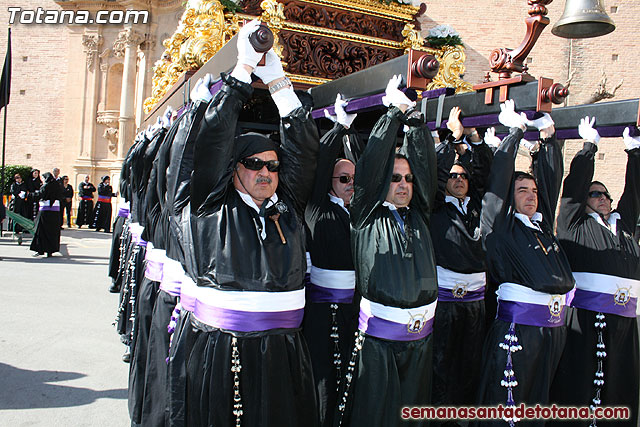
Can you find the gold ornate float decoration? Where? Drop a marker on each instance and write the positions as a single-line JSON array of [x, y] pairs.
[[313, 52]]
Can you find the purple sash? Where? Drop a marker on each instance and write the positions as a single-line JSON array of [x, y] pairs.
[[388, 330], [622, 305], [50, 208], [153, 271], [123, 212], [317, 293], [247, 321], [531, 314], [447, 295]]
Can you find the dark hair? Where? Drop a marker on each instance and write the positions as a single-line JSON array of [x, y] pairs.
[[64, 177], [598, 183], [519, 175], [401, 156]]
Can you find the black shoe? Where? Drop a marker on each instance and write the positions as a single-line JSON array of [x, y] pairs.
[[126, 357], [114, 289], [49, 254], [37, 254]]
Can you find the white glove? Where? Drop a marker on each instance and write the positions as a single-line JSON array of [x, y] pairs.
[[491, 139], [587, 131], [22, 194], [631, 142], [531, 146], [509, 117], [394, 96], [166, 118], [272, 68], [541, 123], [341, 115], [247, 55], [200, 91]]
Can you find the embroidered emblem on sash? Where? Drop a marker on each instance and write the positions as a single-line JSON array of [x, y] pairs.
[[459, 290], [622, 296], [555, 308], [416, 323]]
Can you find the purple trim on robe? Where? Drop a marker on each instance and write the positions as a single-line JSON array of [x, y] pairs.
[[446, 295], [392, 331], [247, 321], [187, 300], [153, 270], [50, 208], [123, 212], [605, 303], [524, 313], [317, 293]]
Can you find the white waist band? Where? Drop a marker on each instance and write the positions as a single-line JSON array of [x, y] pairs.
[[333, 279], [606, 284], [154, 254], [45, 203], [395, 314], [448, 279], [172, 270], [519, 293], [251, 300]]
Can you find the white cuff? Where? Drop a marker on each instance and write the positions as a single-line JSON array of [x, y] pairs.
[[286, 100], [241, 74]]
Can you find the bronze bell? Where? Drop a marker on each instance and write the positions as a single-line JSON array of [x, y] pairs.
[[583, 19]]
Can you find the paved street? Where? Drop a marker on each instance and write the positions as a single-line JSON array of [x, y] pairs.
[[60, 358]]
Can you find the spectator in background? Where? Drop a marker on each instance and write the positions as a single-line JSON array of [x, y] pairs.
[[33, 184], [67, 199], [47, 236], [85, 209], [19, 193], [102, 215]]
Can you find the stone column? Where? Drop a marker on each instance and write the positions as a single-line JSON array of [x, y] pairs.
[[91, 41], [127, 46]]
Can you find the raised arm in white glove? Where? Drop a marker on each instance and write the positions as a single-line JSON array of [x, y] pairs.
[[200, 91], [509, 118], [394, 96], [630, 142], [531, 146], [544, 124], [341, 116], [272, 68], [248, 58], [491, 139], [587, 131], [166, 117]]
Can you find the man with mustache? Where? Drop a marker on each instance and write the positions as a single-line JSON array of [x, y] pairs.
[[464, 161], [605, 259], [525, 341], [249, 364], [331, 313], [395, 269]]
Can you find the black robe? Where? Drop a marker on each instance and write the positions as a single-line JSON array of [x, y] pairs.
[[394, 268], [102, 212], [33, 185], [85, 207], [330, 249], [19, 192], [594, 249], [47, 236], [459, 326], [515, 255], [276, 380]]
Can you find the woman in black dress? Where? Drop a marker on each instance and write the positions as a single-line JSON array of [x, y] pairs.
[[102, 213], [47, 237], [19, 192], [67, 199]]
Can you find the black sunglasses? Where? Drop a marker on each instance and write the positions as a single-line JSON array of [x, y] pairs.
[[455, 175], [598, 194], [396, 177], [344, 179], [255, 164]]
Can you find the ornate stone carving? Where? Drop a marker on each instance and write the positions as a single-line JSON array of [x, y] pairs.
[[126, 38], [91, 43], [111, 135]]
